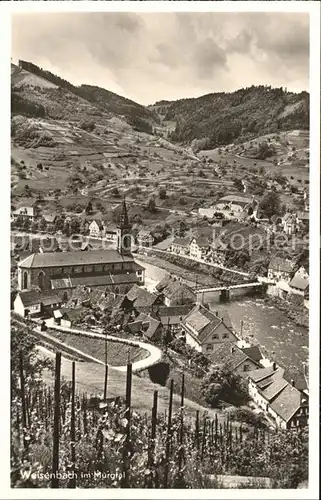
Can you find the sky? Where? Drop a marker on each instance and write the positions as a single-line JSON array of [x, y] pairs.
[[149, 57]]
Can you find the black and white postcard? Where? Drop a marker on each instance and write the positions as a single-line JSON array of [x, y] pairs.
[[160, 192]]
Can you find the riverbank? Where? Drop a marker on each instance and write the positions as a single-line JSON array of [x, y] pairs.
[[298, 314]]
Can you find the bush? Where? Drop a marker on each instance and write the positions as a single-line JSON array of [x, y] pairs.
[[88, 125], [249, 417], [222, 385]]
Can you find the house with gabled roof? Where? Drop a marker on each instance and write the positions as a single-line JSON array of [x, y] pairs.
[[142, 300], [175, 292], [280, 399], [172, 316], [280, 269], [206, 330], [96, 228], [147, 326], [180, 246], [236, 359], [300, 282], [34, 302], [199, 247]]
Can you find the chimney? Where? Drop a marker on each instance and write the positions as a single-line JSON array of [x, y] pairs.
[[232, 350], [216, 313], [274, 366], [292, 382]]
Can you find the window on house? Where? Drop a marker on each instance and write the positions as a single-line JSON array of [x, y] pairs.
[[41, 280], [225, 335], [215, 336], [209, 347], [25, 280], [246, 367]]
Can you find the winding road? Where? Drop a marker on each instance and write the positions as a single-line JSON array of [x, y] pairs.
[[155, 354]]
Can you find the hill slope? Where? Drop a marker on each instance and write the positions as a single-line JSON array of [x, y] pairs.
[[28, 74], [221, 118]]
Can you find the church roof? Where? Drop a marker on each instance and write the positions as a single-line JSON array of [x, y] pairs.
[[57, 259]]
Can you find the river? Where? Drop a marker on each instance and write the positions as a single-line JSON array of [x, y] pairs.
[[269, 326]]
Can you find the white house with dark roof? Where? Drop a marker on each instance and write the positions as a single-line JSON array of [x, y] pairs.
[[28, 211], [206, 330], [180, 246], [280, 269], [280, 399], [96, 228], [34, 302]]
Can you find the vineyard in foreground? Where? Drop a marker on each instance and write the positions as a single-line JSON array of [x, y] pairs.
[[94, 443]]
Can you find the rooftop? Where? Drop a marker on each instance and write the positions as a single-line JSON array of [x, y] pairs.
[[281, 264], [299, 282], [34, 297], [57, 259], [202, 322], [141, 297], [93, 280]]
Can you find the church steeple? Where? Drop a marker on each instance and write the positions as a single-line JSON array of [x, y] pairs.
[[124, 220], [124, 237]]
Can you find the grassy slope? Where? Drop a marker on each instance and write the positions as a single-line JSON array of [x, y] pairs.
[[118, 354], [90, 379]]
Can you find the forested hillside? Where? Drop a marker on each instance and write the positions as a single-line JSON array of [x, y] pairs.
[[222, 118], [137, 115]]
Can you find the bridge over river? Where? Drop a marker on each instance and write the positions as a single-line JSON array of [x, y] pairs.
[[205, 294]]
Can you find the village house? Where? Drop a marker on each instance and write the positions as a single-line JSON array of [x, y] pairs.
[[171, 317], [280, 399], [303, 219], [280, 269], [28, 211], [180, 246], [218, 252], [97, 228], [175, 292], [142, 300], [300, 282], [199, 247], [145, 238], [235, 359], [147, 326], [50, 220], [206, 330], [68, 318], [289, 223], [35, 302]]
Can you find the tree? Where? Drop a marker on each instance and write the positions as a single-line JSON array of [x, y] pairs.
[[220, 384], [26, 224], [42, 224], [270, 205], [59, 224], [66, 228], [151, 205], [75, 226], [162, 193], [115, 192], [202, 173], [89, 208], [238, 184]]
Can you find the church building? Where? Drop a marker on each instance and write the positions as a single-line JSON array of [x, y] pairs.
[[62, 272]]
